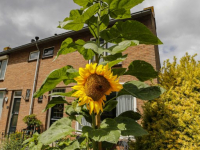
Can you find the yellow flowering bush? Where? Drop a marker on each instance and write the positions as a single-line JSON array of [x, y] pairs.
[[173, 120]]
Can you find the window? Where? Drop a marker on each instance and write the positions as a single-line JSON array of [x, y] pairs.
[[34, 55], [28, 91], [1, 101], [3, 65], [48, 52], [56, 112], [125, 103]]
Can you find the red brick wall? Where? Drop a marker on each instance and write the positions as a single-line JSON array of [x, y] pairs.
[[20, 73]]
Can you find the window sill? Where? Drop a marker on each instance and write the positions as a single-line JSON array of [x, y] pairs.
[[32, 60], [45, 57]]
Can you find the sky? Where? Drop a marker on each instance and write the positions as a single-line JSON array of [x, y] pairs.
[[177, 22]]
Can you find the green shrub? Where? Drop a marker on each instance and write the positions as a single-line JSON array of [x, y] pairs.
[[13, 141], [32, 120], [173, 120]]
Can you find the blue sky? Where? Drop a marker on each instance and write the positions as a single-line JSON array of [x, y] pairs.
[[177, 23]]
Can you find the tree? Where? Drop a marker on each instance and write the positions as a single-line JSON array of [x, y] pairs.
[[173, 120]]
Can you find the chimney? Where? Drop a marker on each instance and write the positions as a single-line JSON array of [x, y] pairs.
[[6, 48], [152, 10]]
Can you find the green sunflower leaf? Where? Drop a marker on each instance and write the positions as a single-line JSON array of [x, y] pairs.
[[141, 90], [118, 71], [110, 105], [130, 114], [129, 127], [122, 46], [58, 130], [120, 9], [129, 30], [73, 146], [65, 74], [114, 61], [68, 46], [91, 45], [83, 3], [54, 101], [91, 11], [141, 70], [74, 22], [92, 24], [108, 131], [120, 13], [126, 4]]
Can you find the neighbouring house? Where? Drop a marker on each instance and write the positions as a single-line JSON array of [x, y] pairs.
[[18, 67]]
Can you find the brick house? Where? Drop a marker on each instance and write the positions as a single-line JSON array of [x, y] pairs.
[[18, 67]]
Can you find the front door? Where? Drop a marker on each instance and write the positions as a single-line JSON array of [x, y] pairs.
[[15, 110]]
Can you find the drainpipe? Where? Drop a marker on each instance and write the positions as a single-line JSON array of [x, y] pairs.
[[35, 78]]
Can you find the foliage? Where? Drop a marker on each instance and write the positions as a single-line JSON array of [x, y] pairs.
[[173, 120], [32, 120], [13, 141], [96, 14]]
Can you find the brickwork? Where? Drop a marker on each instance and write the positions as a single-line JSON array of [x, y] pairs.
[[20, 73]]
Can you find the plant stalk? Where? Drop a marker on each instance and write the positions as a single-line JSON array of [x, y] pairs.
[[94, 144]]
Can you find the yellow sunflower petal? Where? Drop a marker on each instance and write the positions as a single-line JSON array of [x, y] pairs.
[[91, 106]]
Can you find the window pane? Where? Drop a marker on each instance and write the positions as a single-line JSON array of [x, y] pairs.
[[125, 103], [3, 68], [1, 102], [33, 55], [57, 111], [48, 52], [16, 105], [58, 90], [18, 93], [28, 93], [14, 120]]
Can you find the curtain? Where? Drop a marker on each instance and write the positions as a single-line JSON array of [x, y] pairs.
[[1, 102], [125, 103]]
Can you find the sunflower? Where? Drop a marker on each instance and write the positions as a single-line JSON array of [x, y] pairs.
[[93, 84]]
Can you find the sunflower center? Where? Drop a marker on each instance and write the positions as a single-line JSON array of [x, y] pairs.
[[96, 86]]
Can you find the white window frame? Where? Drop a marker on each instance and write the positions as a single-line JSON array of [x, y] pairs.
[[33, 58], [3, 97], [121, 137], [43, 56], [49, 113], [3, 58]]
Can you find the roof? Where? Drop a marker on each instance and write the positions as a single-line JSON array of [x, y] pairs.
[[70, 33]]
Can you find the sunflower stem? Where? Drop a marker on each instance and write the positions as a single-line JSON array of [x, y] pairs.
[[94, 144], [98, 121]]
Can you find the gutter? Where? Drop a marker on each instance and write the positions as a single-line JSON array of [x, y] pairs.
[[35, 80]]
